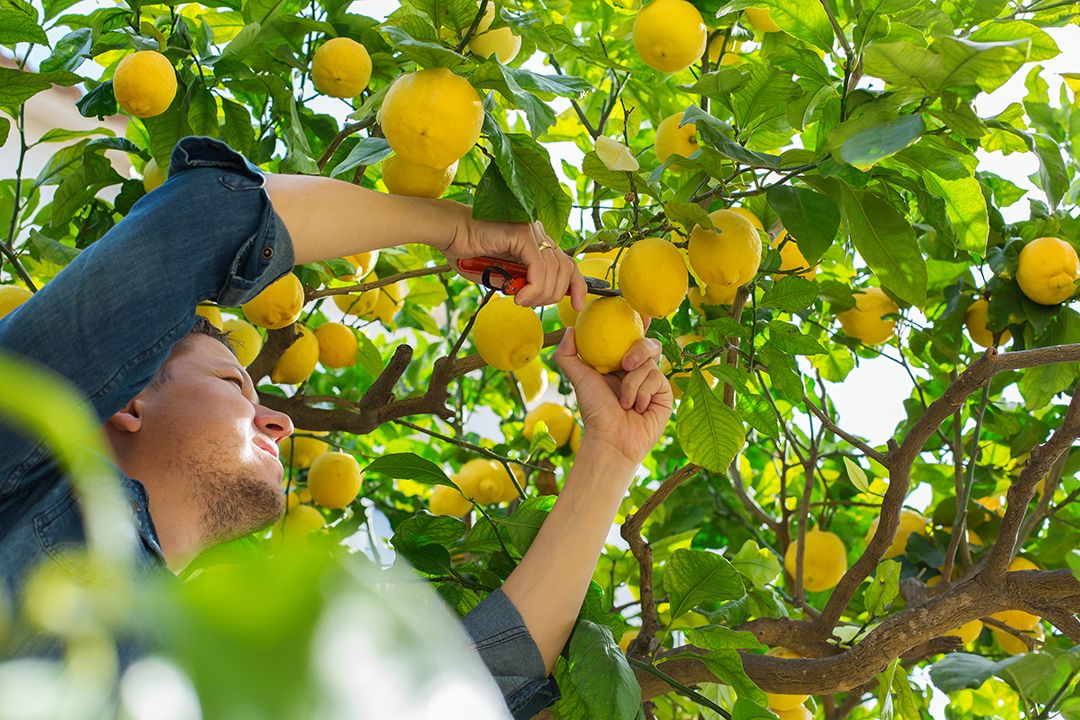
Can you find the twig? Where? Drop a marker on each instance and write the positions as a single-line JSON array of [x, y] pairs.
[[381, 282], [345, 132], [836, 430]]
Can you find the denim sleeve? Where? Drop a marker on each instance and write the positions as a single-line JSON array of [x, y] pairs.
[[108, 320], [506, 647]]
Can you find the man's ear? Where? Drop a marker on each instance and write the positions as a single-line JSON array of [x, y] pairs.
[[128, 419]]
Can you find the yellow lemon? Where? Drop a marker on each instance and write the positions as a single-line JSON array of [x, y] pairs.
[[791, 257], [575, 438], [388, 300], [509, 488], [729, 255], [714, 50], [507, 336], [341, 68], [975, 321], [910, 522], [670, 35], [278, 305], [674, 140], [597, 267], [299, 522], [431, 117], [211, 313], [1012, 644], [500, 42], [653, 277], [865, 322], [1022, 564], [358, 304], [406, 178], [300, 452], [749, 215], [968, 631], [560, 422], [363, 262], [605, 331], [448, 501], [334, 479], [480, 480], [780, 702], [337, 345], [627, 638], [11, 297], [665, 367], [1048, 270], [154, 175], [713, 295], [992, 503], [297, 362], [144, 84], [759, 19], [824, 561], [245, 340], [800, 712], [533, 379]]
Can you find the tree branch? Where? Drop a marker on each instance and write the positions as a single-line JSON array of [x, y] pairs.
[[836, 430]]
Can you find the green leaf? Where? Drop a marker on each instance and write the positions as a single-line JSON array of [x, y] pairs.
[[62, 135], [953, 62], [886, 242], [883, 588], [709, 432], [693, 577], [866, 147], [788, 338], [1041, 46], [410, 466], [746, 709], [18, 27], [835, 364], [965, 207], [603, 677], [856, 475], [368, 151], [52, 250], [783, 371], [5, 128], [791, 293], [494, 200], [763, 100], [964, 671], [714, 133], [166, 129], [802, 20], [756, 411], [424, 54], [810, 217], [1053, 178], [687, 214], [16, 86], [242, 44], [727, 666], [551, 202], [78, 188], [525, 522], [70, 51], [756, 564], [237, 133], [99, 102], [718, 637], [425, 528], [202, 111]]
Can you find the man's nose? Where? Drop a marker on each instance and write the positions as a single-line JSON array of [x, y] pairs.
[[276, 424]]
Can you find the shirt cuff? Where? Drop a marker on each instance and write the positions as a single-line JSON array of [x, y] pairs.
[[511, 655]]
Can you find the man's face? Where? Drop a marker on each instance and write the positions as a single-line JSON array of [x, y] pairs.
[[205, 426]]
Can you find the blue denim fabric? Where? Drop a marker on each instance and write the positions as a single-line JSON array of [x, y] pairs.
[[107, 322]]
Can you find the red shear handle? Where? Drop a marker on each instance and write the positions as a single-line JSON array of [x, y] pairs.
[[497, 274]]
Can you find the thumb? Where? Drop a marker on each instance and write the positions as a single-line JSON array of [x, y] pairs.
[[567, 359]]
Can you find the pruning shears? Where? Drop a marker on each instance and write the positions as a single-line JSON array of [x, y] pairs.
[[510, 277]]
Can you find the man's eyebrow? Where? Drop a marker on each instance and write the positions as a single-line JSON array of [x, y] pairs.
[[248, 382]]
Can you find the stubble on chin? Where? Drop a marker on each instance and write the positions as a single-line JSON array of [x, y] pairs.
[[235, 502]]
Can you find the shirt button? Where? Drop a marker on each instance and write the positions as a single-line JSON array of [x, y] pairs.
[[268, 252], [135, 506]]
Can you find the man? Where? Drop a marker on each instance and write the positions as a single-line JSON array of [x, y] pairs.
[[198, 454]]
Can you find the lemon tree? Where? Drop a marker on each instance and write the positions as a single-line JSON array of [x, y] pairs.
[[804, 200]]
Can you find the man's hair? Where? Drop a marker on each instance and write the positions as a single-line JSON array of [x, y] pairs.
[[202, 327]]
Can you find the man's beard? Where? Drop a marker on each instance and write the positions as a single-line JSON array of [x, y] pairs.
[[235, 502]]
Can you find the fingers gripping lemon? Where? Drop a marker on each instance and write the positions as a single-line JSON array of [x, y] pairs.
[[605, 331], [507, 336]]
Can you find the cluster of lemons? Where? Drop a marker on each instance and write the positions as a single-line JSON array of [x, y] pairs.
[[333, 481]]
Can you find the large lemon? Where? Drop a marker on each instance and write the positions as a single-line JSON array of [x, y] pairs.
[[300, 452], [154, 175], [824, 561], [1012, 644], [358, 304], [448, 501], [11, 297], [910, 522], [674, 140], [597, 267], [1048, 270], [759, 19], [388, 300], [299, 522], [791, 257], [653, 277], [245, 340], [559, 421], [800, 712], [533, 379], [278, 305], [337, 345], [363, 262], [298, 361], [211, 313], [144, 84], [341, 68], [507, 336], [975, 319], [749, 215], [670, 35], [781, 703], [729, 255], [481, 481], [501, 42], [605, 331], [431, 117], [334, 479], [713, 295], [407, 178], [865, 322]]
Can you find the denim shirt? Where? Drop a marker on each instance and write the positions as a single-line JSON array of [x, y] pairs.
[[107, 322]]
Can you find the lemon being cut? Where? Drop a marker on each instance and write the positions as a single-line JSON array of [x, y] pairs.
[[560, 422], [729, 255], [144, 84], [597, 267], [11, 297], [298, 361], [278, 305], [341, 68], [431, 117], [244, 338], [507, 335], [605, 331], [500, 42], [337, 345], [407, 178], [334, 479], [1048, 270], [653, 277], [975, 320], [824, 560], [674, 140], [866, 321], [670, 35]]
